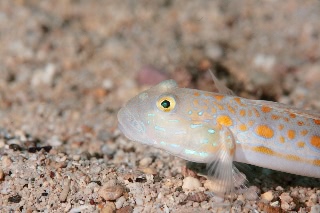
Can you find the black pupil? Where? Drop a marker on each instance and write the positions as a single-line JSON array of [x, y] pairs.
[[165, 104]]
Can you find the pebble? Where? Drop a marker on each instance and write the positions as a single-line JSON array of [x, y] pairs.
[[251, 193], [285, 197], [1, 174], [279, 188], [139, 201], [268, 196], [66, 188], [191, 183], [76, 157], [145, 161], [111, 192], [6, 161], [120, 201], [109, 207], [197, 197], [315, 209], [126, 209]]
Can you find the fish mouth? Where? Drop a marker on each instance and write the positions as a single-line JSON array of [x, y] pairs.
[[129, 125]]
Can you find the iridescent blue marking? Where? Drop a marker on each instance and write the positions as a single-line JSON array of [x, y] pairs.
[[195, 125], [175, 145], [163, 143], [204, 140], [200, 113], [151, 114], [148, 122], [211, 131], [159, 128], [192, 152], [190, 112], [214, 144], [203, 154]]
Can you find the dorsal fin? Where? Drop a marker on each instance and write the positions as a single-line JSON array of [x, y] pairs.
[[220, 86]]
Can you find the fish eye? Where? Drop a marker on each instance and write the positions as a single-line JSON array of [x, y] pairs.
[[166, 103]]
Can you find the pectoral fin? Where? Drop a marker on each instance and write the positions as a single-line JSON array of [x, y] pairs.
[[225, 176]]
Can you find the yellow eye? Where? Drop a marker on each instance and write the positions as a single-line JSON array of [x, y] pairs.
[[166, 103]]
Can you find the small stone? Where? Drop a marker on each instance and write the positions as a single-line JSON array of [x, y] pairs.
[[145, 161], [251, 193], [15, 147], [279, 188], [107, 84], [313, 197], [111, 192], [126, 209], [76, 157], [148, 170], [6, 161], [120, 201], [268, 196], [198, 197], [285, 197], [191, 183], [1, 174], [109, 207], [315, 209], [214, 186], [14, 199], [139, 201], [65, 190]]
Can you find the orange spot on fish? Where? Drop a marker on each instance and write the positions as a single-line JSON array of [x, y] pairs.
[[231, 109], [251, 122], [275, 117], [286, 119], [316, 162], [293, 157], [224, 120], [264, 150], [301, 144], [219, 97], [213, 110], [316, 122], [292, 115], [243, 127], [242, 112], [282, 140], [315, 141], [304, 132], [264, 131], [300, 123], [265, 109], [196, 103], [238, 100], [291, 134], [280, 127], [256, 112], [196, 94], [219, 106]]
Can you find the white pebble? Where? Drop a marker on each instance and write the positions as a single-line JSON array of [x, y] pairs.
[[315, 209], [65, 190], [191, 183], [120, 201], [6, 161], [145, 161], [268, 196], [139, 201]]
